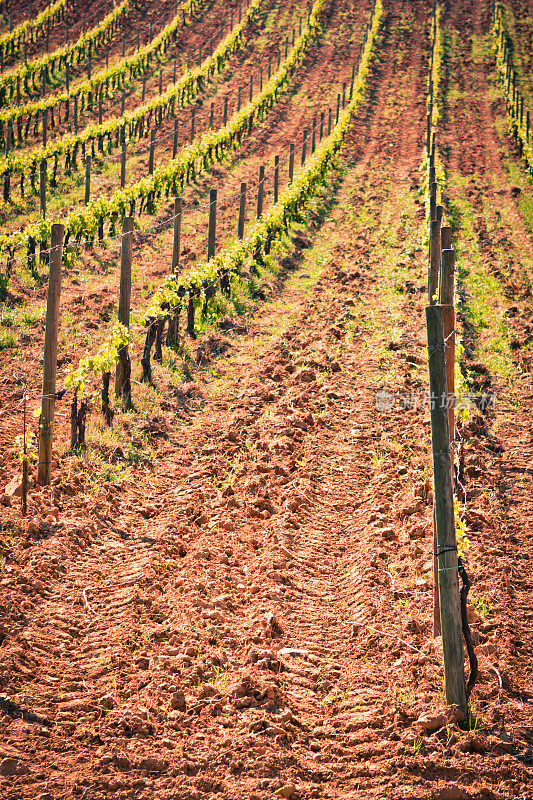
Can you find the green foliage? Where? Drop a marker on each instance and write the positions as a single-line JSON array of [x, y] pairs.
[[231, 260], [105, 360], [516, 129], [68, 54], [29, 26], [191, 159]]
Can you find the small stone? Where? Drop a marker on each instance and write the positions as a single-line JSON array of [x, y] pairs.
[[335, 366], [9, 767], [386, 533], [208, 690], [45, 796], [142, 662], [152, 764], [123, 762], [287, 791], [431, 722], [14, 487], [177, 701]]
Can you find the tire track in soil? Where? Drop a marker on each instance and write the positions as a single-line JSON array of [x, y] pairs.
[[292, 555], [499, 447], [328, 62], [81, 643]]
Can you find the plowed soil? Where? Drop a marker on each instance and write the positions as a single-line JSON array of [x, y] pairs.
[[251, 616]]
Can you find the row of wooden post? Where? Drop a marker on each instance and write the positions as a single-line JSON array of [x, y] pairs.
[[123, 370], [440, 319], [514, 98]]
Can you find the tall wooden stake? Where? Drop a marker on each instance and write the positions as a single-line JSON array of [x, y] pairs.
[[176, 247], [123, 369], [260, 192], [212, 229], [242, 211], [444, 515], [46, 426]]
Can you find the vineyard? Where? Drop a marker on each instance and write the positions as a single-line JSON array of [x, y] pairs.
[[266, 399]]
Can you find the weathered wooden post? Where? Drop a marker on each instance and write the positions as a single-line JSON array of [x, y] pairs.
[[123, 368], [444, 515], [193, 123], [151, 154], [304, 146], [291, 162], [212, 227], [176, 246], [46, 423], [260, 192], [276, 178], [87, 180], [123, 166], [175, 140], [242, 211], [42, 187], [434, 254]]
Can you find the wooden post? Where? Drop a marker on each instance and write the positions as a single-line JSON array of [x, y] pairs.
[[338, 108], [123, 369], [176, 247], [42, 187], [344, 95], [313, 136], [67, 77], [446, 300], [143, 95], [251, 93], [123, 166], [123, 103], [276, 178], [444, 515], [175, 142], [211, 116], [46, 423], [87, 179], [45, 126], [434, 255], [446, 238], [212, 229], [291, 162], [321, 133], [75, 113], [160, 81], [304, 146], [151, 153], [239, 99], [260, 192], [330, 115], [242, 211], [193, 122]]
